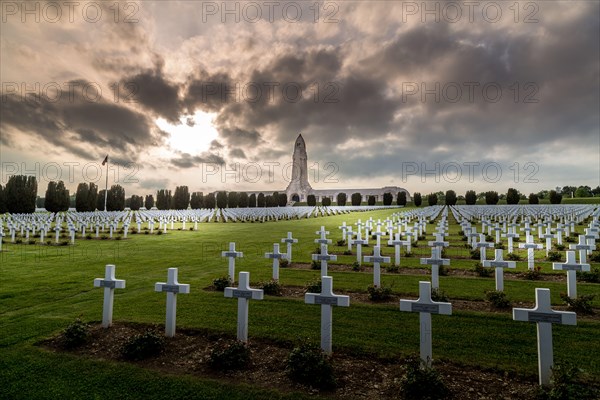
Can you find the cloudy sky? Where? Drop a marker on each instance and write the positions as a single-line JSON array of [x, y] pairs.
[[427, 96]]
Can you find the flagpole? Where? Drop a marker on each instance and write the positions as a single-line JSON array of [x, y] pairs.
[[106, 186]]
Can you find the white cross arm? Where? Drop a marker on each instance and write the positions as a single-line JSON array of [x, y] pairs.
[[333, 300], [254, 294], [427, 307], [435, 261], [436, 243], [233, 254], [112, 284], [183, 288], [499, 264], [553, 317], [379, 259], [326, 257]]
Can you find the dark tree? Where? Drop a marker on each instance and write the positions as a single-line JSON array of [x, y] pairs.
[[100, 200], [92, 196], [252, 200], [136, 202], [275, 200], [149, 202], [341, 199], [387, 199], [232, 199], [401, 199], [197, 200], [81, 197], [116, 198], [371, 200], [555, 198], [491, 197], [221, 199], [243, 200], [163, 199], [210, 201], [470, 197], [181, 198], [260, 200], [3, 206], [57, 197], [513, 196], [417, 199], [432, 199], [533, 199], [326, 201], [282, 200], [20, 194], [356, 199], [450, 198], [311, 200]]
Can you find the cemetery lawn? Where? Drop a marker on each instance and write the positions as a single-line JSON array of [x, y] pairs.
[[44, 288]]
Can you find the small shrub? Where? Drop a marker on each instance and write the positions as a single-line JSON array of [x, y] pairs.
[[533, 274], [593, 276], [284, 263], [191, 228], [392, 268], [75, 334], [422, 237], [570, 239], [31, 241], [422, 382], [317, 250], [272, 287], [481, 271], [118, 237], [497, 299], [553, 256], [464, 239], [18, 241], [88, 236], [356, 266], [134, 231], [146, 232], [49, 242], [581, 304], [308, 365], [461, 233], [229, 355], [64, 243], [104, 237], [443, 270], [347, 252], [143, 346], [499, 245], [379, 293], [221, 283], [438, 295], [315, 265], [595, 257], [513, 257], [159, 232], [560, 247], [313, 286], [566, 384], [341, 242], [408, 254], [516, 239], [475, 255], [374, 237]]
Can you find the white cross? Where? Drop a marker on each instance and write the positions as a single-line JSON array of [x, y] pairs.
[[289, 240], [425, 307], [559, 230], [323, 237], [243, 293], [499, 264], [327, 300], [591, 235], [109, 283], [359, 243], [172, 288], [397, 243], [324, 257], [376, 259], [530, 246], [497, 229], [435, 261], [510, 235], [548, 236], [232, 255], [571, 266], [482, 244], [349, 235], [544, 317], [344, 228], [583, 247], [275, 255], [438, 242]]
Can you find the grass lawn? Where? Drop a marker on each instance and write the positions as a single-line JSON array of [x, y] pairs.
[[44, 288]]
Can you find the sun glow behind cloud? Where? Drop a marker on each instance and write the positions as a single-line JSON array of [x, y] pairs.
[[190, 139]]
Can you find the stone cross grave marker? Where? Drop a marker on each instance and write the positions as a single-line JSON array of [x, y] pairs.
[[548, 236], [275, 256], [244, 294], [397, 243], [376, 259], [438, 242], [323, 257], [327, 299], [172, 287], [109, 283], [544, 317], [571, 266], [232, 255], [510, 235], [425, 307], [530, 246], [289, 241], [435, 261], [349, 235], [344, 229], [359, 242], [483, 245], [583, 247], [499, 264]]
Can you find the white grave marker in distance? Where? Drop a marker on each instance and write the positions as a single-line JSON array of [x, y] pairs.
[[172, 287], [232, 255], [435, 261], [425, 307], [376, 259], [544, 317], [323, 257], [397, 243], [243, 293], [289, 241], [499, 264], [530, 246], [109, 283], [275, 256], [327, 300], [571, 266], [583, 247]]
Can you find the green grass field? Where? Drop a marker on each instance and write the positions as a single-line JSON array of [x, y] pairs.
[[44, 288]]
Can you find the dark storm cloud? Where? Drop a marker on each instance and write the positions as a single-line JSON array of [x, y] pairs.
[[237, 153], [186, 160], [205, 91]]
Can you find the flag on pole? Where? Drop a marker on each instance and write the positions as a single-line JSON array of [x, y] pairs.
[[105, 160]]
